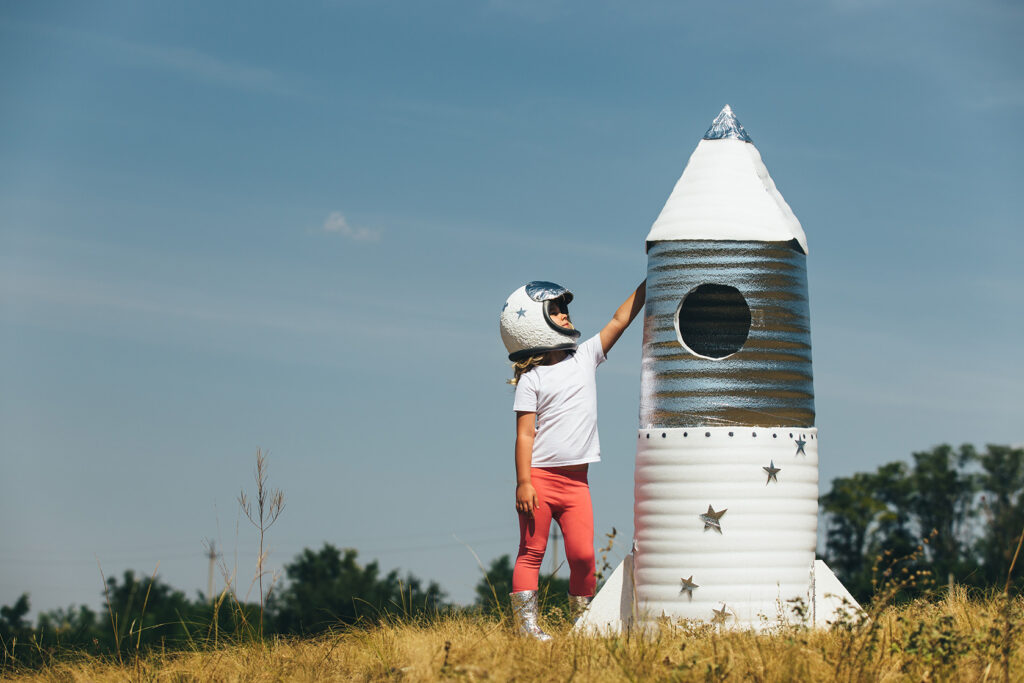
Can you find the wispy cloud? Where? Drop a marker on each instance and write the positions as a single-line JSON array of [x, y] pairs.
[[186, 61], [204, 66], [169, 313], [336, 223]]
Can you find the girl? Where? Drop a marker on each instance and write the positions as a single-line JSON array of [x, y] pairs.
[[556, 435]]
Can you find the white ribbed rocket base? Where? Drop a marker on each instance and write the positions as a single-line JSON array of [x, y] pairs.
[[763, 556]]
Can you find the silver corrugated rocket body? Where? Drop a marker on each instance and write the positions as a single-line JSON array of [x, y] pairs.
[[726, 478]]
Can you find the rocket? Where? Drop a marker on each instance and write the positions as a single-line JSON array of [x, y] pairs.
[[726, 477]]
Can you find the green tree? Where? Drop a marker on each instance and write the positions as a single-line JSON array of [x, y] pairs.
[[12, 621], [145, 612], [894, 531], [954, 512], [328, 587], [868, 526], [940, 500], [493, 589], [1001, 483], [72, 627], [850, 511], [16, 634]]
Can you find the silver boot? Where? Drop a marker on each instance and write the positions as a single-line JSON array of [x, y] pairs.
[[524, 607], [578, 604]]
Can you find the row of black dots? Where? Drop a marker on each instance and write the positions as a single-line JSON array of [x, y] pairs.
[[664, 435]]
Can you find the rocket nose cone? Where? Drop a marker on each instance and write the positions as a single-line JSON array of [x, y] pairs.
[[726, 127], [726, 193]]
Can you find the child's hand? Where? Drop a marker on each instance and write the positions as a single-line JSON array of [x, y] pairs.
[[526, 499]]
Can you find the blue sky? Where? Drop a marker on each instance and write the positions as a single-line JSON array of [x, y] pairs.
[[292, 226]]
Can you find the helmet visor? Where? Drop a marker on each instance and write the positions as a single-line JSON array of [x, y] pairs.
[[541, 290]]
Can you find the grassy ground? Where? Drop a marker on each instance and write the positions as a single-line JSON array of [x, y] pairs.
[[958, 637]]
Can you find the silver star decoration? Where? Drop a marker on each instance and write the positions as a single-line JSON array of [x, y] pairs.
[[521, 312], [800, 443], [712, 519], [772, 470], [688, 586], [721, 615]]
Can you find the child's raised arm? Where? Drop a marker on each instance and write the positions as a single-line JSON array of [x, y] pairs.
[[623, 317]]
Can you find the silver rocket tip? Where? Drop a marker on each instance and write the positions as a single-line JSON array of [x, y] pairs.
[[726, 126]]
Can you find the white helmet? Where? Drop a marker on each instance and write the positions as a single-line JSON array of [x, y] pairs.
[[526, 325]]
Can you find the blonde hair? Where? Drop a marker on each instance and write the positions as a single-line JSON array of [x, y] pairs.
[[520, 367]]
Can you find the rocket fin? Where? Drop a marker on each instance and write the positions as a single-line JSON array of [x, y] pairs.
[[831, 599], [611, 609]]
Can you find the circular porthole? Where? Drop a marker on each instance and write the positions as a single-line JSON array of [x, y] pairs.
[[713, 321]]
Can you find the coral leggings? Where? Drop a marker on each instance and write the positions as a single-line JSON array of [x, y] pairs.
[[564, 497]]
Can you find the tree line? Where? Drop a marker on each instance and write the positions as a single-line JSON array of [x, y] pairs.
[[322, 589], [953, 513]]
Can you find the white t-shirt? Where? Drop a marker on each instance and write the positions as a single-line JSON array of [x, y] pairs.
[[564, 396]]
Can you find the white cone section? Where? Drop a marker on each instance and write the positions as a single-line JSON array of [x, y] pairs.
[[726, 193], [762, 553]]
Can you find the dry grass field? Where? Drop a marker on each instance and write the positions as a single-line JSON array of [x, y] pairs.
[[958, 637]]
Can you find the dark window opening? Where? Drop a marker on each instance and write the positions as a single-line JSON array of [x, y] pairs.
[[714, 320]]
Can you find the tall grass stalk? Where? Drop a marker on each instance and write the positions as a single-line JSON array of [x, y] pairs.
[[497, 602], [269, 505], [1010, 627], [142, 617], [110, 611]]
